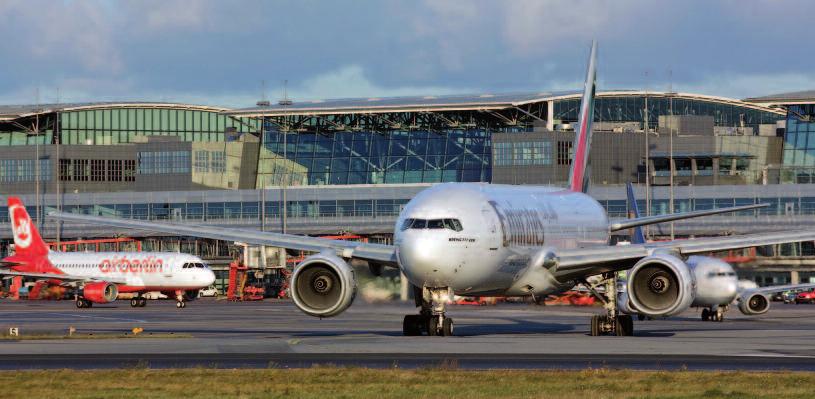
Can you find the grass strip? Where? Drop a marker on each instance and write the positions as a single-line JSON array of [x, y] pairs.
[[334, 382]]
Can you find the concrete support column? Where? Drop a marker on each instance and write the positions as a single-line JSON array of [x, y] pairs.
[[794, 277], [550, 115]]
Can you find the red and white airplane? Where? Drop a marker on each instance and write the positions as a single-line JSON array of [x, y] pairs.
[[99, 277]]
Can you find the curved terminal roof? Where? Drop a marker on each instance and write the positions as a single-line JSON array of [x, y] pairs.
[[8, 112], [793, 97], [458, 103]]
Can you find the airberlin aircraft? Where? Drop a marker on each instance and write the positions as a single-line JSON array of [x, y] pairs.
[[99, 277], [478, 239]]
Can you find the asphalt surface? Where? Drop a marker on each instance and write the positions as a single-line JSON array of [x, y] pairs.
[[275, 334]]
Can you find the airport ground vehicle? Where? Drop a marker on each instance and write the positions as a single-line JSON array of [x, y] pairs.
[[210, 291], [477, 239], [805, 297], [98, 277]]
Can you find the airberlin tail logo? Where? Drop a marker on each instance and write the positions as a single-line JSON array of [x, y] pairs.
[[21, 225]]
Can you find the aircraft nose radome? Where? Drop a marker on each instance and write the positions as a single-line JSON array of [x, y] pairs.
[[423, 260], [209, 278]]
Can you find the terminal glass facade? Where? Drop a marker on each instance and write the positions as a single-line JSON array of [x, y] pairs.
[[630, 109], [124, 125], [799, 139], [375, 157]]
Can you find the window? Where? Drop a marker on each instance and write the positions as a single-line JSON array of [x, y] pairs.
[[218, 164], [163, 162], [564, 152], [97, 170], [202, 161]]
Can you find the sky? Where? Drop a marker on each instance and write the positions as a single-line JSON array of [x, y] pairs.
[[218, 52]]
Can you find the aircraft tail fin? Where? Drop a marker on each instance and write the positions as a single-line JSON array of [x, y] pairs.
[[579, 173], [637, 235], [27, 240]]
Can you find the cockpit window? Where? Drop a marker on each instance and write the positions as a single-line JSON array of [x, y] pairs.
[[435, 224], [450, 224]]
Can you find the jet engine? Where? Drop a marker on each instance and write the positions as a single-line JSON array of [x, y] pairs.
[[100, 292], [323, 285], [660, 285], [755, 303]]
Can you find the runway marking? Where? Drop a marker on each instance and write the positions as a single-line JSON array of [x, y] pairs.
[[100, 317]]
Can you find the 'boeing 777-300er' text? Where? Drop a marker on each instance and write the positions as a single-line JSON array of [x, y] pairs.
[[477, 239], [99, 277]]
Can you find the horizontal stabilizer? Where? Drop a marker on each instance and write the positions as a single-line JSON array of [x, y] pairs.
[[644, 221]]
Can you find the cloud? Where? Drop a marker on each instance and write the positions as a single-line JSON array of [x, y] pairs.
[[79, 32], [740, 85]]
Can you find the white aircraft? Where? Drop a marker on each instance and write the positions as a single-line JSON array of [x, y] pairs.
[[717, 285], [476, 239], [100, 276]]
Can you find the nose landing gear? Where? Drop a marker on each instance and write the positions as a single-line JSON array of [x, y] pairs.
[[612, 323], [180, 304], [431, 318]]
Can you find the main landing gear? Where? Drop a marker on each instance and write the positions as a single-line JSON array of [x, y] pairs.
[[611, 323], [713, 313], [138, 302], [431, 319], [83, 303], [180, 303]]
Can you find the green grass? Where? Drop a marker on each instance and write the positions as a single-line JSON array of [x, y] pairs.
[[330, 382]]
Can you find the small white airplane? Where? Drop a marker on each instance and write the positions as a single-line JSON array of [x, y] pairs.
[[477, 239], [717, 285], [99, 277]]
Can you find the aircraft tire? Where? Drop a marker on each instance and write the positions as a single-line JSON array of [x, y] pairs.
[[134, 302], [705, 314], [595, 330], [447, 327], [142, 302], [411, 326], [432, 326], [80, 303]]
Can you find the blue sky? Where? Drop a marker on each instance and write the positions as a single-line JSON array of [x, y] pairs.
[[218, 52]]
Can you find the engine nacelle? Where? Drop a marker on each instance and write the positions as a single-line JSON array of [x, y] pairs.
[[323, 285], [755, 303], [100, 292], [660, 285]]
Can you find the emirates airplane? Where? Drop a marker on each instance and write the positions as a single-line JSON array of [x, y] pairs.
[[100, 276], [477, 239]]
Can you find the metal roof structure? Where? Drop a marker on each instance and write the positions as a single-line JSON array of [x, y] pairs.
[[9, 112], [793, 97], [456, 103]]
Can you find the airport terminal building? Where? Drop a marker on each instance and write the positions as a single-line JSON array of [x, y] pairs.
[[348, 166]]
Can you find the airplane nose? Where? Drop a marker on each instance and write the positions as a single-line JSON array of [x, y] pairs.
[[422, 258], [209, 277]]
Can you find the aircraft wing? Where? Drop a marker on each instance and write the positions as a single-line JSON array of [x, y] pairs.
[[62, 277], [646, 220], [778, 288], [595, 260], [380, 253]]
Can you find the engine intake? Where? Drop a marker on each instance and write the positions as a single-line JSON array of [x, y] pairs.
[[100, 292], [323, 285], [756, 303], [660, 285]]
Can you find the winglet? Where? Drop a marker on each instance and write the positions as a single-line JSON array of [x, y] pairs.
[[637, 236], [27, 240], [579, 174]]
